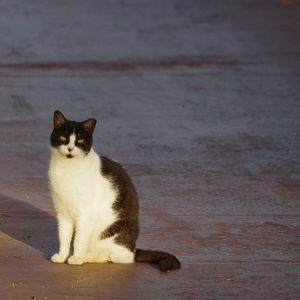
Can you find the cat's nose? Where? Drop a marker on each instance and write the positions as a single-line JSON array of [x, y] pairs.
[[70, 149]]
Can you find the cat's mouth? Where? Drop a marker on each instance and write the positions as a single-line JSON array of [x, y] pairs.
[[70, 156]]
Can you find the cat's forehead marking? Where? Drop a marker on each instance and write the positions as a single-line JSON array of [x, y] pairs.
[[72, 139]]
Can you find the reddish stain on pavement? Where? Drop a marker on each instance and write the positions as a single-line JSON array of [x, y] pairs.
[[124, 65]]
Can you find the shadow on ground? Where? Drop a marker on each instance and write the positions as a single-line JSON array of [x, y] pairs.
[[28, 224]]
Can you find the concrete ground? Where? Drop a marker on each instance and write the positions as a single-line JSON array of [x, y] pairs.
[[200, 100]]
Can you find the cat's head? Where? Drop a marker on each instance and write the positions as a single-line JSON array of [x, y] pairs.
[[71, 138]]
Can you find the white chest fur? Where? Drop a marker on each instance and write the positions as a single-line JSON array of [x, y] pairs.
[[80, 192]]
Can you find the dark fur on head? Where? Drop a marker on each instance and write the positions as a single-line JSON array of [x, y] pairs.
[[64, 128]]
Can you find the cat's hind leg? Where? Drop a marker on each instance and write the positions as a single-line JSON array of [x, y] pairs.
[[120, 254], [122, 236], [96, 258], [107, 250]]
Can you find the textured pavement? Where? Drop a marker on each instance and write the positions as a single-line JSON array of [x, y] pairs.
[[199, 100]]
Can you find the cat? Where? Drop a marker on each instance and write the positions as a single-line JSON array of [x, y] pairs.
[[95, 201]]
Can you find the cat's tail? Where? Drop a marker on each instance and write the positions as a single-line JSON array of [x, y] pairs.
[[165, 261]]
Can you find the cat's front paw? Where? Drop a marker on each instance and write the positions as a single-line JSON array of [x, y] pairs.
[[75, 260], [58, 258]]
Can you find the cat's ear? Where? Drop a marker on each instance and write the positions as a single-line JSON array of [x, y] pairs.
[[58, 119], [89, 125]]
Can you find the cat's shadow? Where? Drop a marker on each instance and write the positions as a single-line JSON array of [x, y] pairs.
[[28, 224]]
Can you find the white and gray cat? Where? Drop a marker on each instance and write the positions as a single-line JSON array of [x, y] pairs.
[[95, 201]]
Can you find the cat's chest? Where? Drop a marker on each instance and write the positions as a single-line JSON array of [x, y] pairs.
[[78, 183], [81, 186], [67, 180], [80, 190]]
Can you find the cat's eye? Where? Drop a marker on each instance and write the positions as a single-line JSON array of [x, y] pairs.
[[62, 138], [80, 141]]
